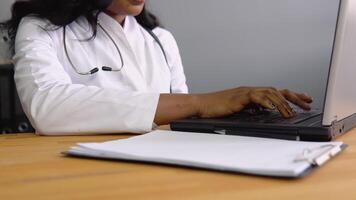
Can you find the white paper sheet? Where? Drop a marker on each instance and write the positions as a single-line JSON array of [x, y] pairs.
[[250, 155]]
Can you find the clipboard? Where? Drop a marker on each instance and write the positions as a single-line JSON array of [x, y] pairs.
[[239, 154]]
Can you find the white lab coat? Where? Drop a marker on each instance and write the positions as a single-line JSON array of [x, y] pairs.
[[59, 101]]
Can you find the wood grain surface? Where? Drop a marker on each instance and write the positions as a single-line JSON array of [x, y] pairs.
[[32, 167]]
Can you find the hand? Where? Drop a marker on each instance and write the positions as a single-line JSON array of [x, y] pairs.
[[299, 99], [228, 102]]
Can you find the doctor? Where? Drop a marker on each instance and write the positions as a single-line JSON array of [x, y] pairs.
[[105, 66]]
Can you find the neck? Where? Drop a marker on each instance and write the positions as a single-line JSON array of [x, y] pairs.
[[117, 17]]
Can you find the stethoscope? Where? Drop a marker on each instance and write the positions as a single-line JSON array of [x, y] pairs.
[[106, 68]]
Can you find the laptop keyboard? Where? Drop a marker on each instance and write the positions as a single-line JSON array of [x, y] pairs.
[[266, 116]]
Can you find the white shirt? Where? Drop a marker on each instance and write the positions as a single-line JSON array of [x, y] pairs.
[[59, 101]]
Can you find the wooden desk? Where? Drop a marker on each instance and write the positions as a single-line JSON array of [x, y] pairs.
[[31, 167]]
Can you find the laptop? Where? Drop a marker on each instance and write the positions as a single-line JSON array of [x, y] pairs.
[[337, 116]]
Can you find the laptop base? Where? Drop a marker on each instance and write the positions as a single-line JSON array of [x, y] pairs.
[[298, 132]]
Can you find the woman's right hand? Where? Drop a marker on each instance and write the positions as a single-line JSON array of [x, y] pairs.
[[218, 104], [231, 101]]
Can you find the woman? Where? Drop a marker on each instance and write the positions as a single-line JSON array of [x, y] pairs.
[[91, 66]]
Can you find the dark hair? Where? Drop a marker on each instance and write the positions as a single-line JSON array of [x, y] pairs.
[[63, 12]]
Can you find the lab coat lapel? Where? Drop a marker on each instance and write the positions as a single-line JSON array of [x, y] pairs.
[[131, 64], [156, 64]]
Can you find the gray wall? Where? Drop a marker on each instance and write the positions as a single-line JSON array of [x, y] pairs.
[[5, 9], [229, 43], [4, 15]]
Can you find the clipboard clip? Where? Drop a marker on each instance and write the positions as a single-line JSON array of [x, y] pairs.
[[319, 155]]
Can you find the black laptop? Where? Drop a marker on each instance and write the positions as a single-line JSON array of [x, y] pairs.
[[335, 118]]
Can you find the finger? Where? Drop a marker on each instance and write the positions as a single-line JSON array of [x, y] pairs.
[[282, 104], [295, 99], [279, 96], [302, 96], [262, 101], [279, 105], [285, 103], [305, 97], [279, 101]]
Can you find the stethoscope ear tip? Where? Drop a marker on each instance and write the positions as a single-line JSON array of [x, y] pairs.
[[95, 70], [108, 69]]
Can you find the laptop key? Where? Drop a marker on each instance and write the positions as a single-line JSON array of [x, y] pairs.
[[275, 117], [300, 117]]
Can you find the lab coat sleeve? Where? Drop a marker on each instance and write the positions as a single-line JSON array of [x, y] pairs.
[[178, 79], [56, 106]]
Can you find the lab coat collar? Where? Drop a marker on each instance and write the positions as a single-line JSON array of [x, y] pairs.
[[129, 26], [130, 34]]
